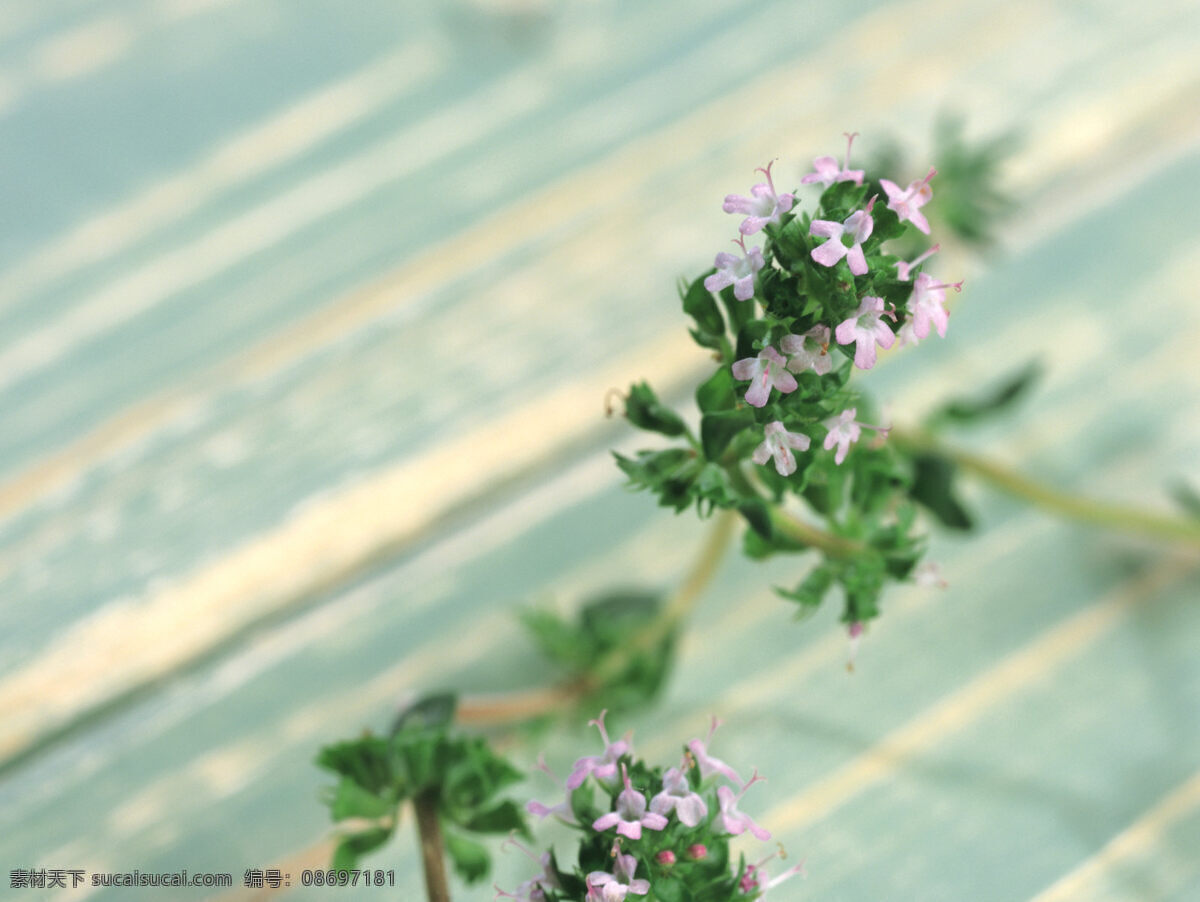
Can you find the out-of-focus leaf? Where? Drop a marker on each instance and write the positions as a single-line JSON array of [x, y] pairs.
[[968, 411], [933, 487]]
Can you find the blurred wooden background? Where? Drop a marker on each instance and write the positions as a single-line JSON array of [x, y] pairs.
[[307, 310]]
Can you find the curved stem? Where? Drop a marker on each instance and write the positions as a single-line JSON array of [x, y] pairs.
[[527, 704], [810, 536], [1120, 517]]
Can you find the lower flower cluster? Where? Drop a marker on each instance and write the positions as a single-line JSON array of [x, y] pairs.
[[655, 833]]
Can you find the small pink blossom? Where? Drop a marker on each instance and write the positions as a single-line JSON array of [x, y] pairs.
[[736, 271], [844, 429], [707, 763], [904, 270], [734, 821], [779, 444], [764, 371], [754, 879], [827, 171], [908, 202], [697, 851], [534, 889], [602, 767], [926, 304], [858, 225], [605, 887], [855, 631], [808, 350], [630, 815], [666, 857], [763, 206], [677, 796], [928, 575], [866, 329]]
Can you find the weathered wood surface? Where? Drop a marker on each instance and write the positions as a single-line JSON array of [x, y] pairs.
[[287, 288]]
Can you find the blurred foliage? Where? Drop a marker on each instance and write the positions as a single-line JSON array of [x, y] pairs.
[[422, 757]]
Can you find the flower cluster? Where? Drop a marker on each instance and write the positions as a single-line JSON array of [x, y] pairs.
[[655, 834], [790, 320]]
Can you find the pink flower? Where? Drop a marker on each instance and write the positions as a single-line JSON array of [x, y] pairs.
[[808, 350], [666, 857], [736, 271], [928, 575], [778, 444], [866, 329], [602, 767], [735, 822], [604, 887], [755, 880], [677, 796], [844, 429], [858, 226], [707, 763], [534, 889], [630, 814], [697, 851], [764, 371], [827, 171], [763, 206], [855, 631], [903, 270], [908, 203], [926, 305]]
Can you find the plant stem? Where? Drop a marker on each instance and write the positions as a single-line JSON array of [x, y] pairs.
[[810, 536], [527, 704], [1086, 510], [433, 860]]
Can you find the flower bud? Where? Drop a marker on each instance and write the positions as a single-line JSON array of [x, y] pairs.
[[666, 856], [697, 851]]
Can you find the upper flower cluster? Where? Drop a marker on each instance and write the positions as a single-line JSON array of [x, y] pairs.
[[631, 843], [885, 305]]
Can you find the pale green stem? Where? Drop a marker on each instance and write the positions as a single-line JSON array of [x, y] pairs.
[[1124, 518]]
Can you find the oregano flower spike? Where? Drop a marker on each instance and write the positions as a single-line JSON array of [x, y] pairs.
[[678, 849], [792, 328]]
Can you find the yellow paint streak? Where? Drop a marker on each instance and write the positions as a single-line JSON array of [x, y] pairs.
[[319, 546], [1020, 670], [1138, 841]]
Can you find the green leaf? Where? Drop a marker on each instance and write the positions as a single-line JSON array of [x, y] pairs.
[[791, 245], [862, 577], [366, 761], [351, 800], [429, 711], [668, 474], [717, 392], [887, 224], [645, 411], [813, 588], [500, 818], [698, 303], [718, 428], [933, 487], [1187, 498], [469, 858], [740, 312], [356, 845], [968, 411]]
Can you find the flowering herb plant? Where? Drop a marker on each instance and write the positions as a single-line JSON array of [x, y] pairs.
[[660, 834], [785, 438]]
